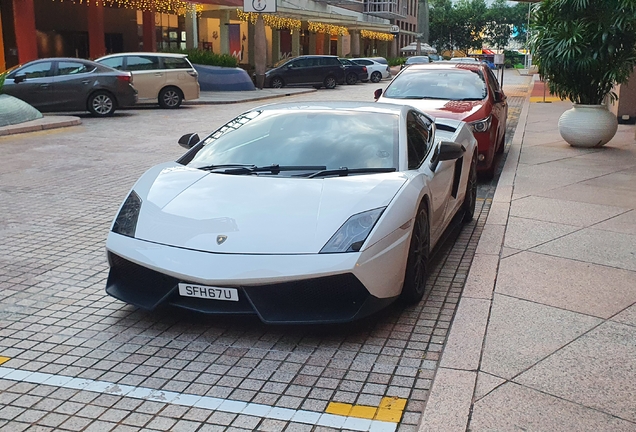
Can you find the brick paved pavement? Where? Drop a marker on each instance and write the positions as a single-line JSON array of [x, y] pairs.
[[59, 192]]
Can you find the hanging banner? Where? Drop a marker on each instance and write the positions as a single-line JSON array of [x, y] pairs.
[[259, 6], [234, 33]]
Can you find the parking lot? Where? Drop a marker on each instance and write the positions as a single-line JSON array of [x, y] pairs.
[[103, 365]]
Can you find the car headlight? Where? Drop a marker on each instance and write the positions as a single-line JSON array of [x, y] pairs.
[[126, 221], [353, 233], [481, 125]]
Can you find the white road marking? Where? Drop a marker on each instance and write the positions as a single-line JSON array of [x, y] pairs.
[[205, 402]]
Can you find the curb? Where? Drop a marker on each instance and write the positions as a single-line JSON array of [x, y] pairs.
[[44, 123], [248, 99], [450, 400]]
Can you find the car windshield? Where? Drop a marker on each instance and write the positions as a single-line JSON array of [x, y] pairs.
[[455, 84], [420, 59], [332, 139]]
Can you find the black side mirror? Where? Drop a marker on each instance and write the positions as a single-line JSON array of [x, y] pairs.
[[499, 96], [449, 150], [377, 94], [19, 78], [189, 140]]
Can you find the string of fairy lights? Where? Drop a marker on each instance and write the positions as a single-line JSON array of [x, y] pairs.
[[172, 7], [182, 7]]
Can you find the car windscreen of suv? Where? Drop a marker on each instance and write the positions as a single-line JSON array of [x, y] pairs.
[[455, 84], [333, 139]]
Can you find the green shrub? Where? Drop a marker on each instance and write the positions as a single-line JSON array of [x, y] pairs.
[[2, 78], [396, 61], [518, 66], [209, 58]]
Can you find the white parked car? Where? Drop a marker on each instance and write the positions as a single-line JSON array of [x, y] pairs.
[[167, 79], [377, 71], [298, 213]]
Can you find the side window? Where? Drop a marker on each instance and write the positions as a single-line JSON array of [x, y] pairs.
[[364, 62], [301, 63], [38, 70], [114, 62], [72, 68], [142, 63], [329, 61], [175, 63], [418, 140], [493, 83]]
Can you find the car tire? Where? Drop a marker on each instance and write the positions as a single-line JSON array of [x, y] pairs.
[[470, 197], [502, 144], [101, 104], [417, 262], [277, 82], [376, 77], [170, 98], [352, 79], [330, 82]]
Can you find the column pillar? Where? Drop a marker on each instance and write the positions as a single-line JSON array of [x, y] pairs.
[[192, 33], [3, 64], [149, 31], [326, 44], [312, 43], [355, 44], [275, 46], [96, 36], [260, 51], [296, 43], [225, 32], [340, 52], [24, 24]]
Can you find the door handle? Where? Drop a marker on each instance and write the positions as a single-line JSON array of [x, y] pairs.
[[44, 86], [86, 81], [158, 74]]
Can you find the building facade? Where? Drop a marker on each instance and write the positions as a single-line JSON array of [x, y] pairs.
[[31, 29]]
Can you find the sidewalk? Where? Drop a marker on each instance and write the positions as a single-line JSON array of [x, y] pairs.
[[544, 338]]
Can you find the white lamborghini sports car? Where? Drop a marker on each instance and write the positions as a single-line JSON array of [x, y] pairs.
[[299, 213]]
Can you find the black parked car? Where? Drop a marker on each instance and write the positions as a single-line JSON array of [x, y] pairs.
[[70, 84], [354, 72], [316, 70]]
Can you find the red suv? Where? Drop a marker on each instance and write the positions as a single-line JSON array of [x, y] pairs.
[[461, 91]]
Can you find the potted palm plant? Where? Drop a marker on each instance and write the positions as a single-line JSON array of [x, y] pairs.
[[584, 48]]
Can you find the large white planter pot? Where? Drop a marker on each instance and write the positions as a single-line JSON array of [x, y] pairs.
[[588, 125]]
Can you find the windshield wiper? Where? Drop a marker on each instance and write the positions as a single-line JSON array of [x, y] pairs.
[[274, 169], [232, 165], [469, 99], [344, 171]]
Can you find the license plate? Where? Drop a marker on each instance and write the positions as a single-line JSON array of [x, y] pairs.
[[208, 292]]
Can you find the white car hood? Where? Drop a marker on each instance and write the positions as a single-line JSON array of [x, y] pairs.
[[190, 208]]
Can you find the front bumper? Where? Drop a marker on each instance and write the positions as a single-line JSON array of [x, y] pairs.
[[325, 288]]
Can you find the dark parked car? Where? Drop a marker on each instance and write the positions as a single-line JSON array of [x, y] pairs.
[[316, 70], [354, 72], [70, 84], [415, 60]]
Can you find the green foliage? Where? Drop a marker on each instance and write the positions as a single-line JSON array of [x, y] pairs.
[[209, 58], [396, 61], [584, 47], [467, 24], [2, 78]]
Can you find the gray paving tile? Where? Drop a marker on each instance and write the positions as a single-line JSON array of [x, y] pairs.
[[514, 407], [601, 361]]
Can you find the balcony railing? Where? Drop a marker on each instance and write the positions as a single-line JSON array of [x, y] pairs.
[[388, 9]]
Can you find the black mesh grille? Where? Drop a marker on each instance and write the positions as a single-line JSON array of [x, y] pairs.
[[328, 299]]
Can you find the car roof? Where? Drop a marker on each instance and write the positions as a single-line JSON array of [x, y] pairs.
[[446, 66], [159, 54], [373, 107]]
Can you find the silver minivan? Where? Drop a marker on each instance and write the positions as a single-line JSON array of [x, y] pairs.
[[167, 79]]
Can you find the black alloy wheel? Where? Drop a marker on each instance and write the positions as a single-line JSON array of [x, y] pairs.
[[417, 262], [170, 98], [352, 79], [277, 82], [376, 77], [470, 198], [101, 104], [330, 82]]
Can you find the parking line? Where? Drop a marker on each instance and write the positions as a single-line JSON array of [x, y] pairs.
[[386, 415], [390, 410]]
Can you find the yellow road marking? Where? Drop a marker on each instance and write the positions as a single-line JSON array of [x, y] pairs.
[[547, 99], [4, 359], [390, 410]]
